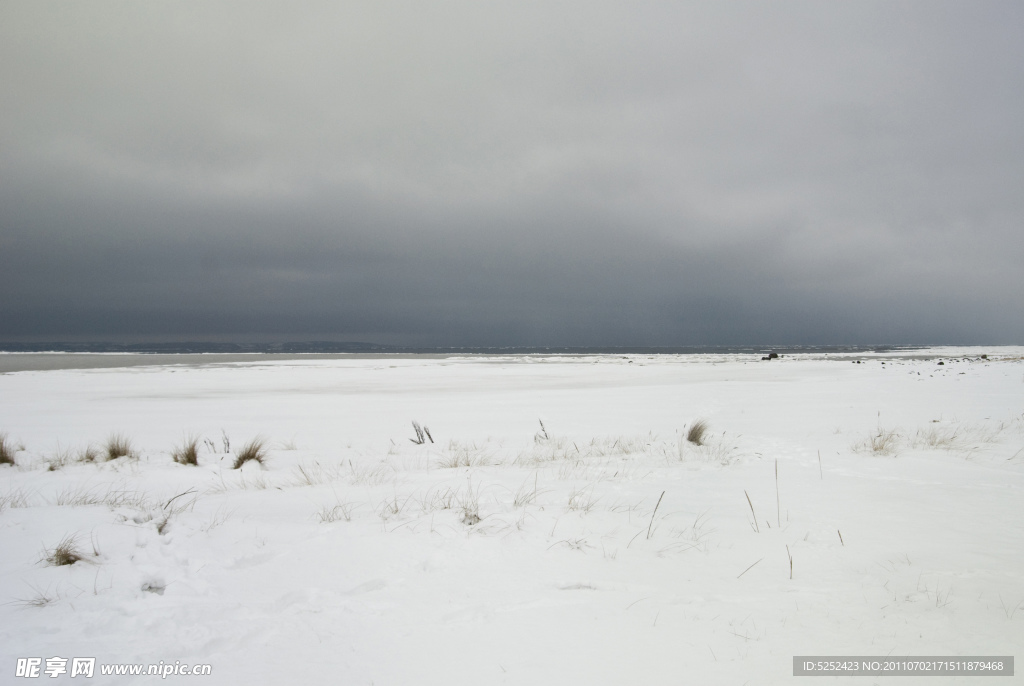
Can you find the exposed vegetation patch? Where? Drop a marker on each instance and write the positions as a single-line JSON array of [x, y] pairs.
[[557, 448], [338, 512], [60, 458], [187, 452], [465, 455], [118, 445], [112, 497], [14, 498], [954, 437], [371, 474], [422, 434], [42, 598], [469, 506], [882, 442], [697, 431], [65, 553], [6, 450], [253, 451]]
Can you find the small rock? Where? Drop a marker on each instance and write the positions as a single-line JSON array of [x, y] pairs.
[[156, 587]]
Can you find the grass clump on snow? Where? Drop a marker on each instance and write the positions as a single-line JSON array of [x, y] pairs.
[[187, 452], [88, 454], [422, 434], [40, 599], [882, 442], [581, 500], [6, 450], [311, 475], [469, 506], [112, 497], [697, 431], [341, 511], [66, 553], [61, 458], [371, 474], [118, 445], [464, 455], [14, 498], [254, 450], [470, 514], [526, 496]]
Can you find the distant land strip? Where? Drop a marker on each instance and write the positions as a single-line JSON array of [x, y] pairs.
[[327, 347]]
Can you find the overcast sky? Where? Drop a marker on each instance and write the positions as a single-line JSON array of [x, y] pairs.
[[513, 173]]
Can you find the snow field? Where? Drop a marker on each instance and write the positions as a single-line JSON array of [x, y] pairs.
[[599, 548]]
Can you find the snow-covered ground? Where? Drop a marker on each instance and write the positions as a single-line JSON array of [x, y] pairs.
[[505, 552]]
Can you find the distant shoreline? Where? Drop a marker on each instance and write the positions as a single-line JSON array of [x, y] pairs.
[[330, 347], [51, 360]]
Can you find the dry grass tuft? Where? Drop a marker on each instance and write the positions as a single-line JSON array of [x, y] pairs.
[[216, 519], [118, 445], [422, 434], [696, 536], [112, 497], [66, 553], [371, 474], [187, 452], [340, 511], [40, 599], [464, 455], [6, 450], [392, 507], [174, 507], [962, 436], [883, 442], [88, 454], [438, 500], [954, 437], [696, 432], [947, 438], [581, 500], [15, 498], [526, 495], [254, 450], [60, 458], [312, 475], [469, 505], [557, 448], [718, 452], [541, 435]]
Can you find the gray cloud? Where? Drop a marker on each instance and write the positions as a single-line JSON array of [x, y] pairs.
[[465, 174]]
